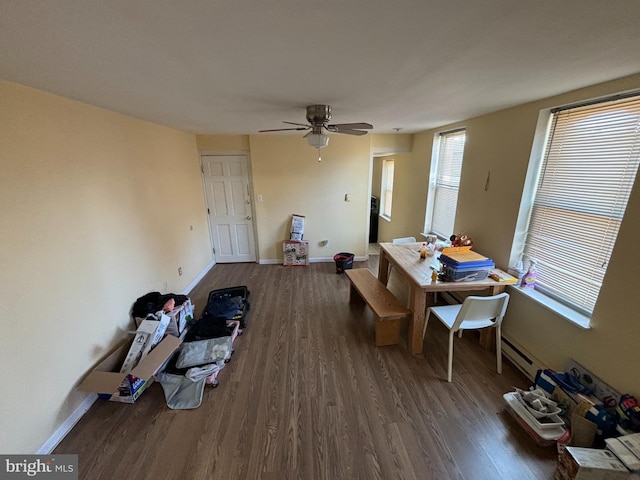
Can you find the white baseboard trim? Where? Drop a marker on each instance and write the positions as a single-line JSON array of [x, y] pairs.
[[195, 282], [330, 259], [321, 259], [62, 431], [278, 261], [272, 261]]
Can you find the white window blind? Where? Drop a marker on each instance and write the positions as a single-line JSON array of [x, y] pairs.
[[447, 182], [588, 170], [387, 187]]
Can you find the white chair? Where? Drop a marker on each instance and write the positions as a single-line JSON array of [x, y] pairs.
[[404, 240], [474, 313]]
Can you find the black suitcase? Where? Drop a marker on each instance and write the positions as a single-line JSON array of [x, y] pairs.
[[222, 296]]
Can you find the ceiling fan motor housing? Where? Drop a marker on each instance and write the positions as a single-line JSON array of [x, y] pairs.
[[318, 114]]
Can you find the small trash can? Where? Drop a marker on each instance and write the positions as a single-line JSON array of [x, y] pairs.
[[344, 261]]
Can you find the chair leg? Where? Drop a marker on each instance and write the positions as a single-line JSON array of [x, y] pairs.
[[450, 359], [426, 320], [499, 349]]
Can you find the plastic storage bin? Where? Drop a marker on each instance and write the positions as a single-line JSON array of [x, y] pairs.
[[465, 271]]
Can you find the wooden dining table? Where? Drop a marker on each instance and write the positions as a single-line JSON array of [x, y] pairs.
[[405, 258]]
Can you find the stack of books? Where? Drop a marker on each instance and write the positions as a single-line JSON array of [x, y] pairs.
[[502, 276]]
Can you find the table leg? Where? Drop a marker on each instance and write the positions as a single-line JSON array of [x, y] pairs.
[[416, 322], [495, 290], [383, 268]]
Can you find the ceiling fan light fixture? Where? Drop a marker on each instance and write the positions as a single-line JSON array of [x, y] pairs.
[[318, 140]]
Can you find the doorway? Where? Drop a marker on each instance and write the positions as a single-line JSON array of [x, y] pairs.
[[374, 210], [230, 207]]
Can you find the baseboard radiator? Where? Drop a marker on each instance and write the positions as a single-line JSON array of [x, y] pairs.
[[523, 360]]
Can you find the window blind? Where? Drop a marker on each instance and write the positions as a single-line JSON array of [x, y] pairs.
[[447, 182], [588, 170]]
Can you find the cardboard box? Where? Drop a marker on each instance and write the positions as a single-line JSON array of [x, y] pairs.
[[576, 463], [297, 227], [626, 451], [179, 318], [295, 252], [632, 442], [107, 381], [147, 336]]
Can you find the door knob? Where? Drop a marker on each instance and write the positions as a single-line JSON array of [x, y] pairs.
[[248, 217]]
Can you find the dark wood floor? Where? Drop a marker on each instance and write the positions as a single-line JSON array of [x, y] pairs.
[[307, 395]]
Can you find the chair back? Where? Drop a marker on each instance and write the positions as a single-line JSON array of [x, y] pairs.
[[482, 311], [404, 240]]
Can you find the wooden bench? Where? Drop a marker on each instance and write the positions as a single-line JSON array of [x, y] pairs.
[[385, 306]]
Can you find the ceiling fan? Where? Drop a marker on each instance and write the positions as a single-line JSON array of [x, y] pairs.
[[318, 117]]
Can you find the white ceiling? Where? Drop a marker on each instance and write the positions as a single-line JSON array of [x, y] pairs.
[[227, 67]]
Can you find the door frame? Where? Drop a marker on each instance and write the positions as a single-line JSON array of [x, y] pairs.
[[222, 153]]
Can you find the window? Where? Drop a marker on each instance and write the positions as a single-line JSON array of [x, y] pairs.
[[387, 188], [588, 167], [442, 199]]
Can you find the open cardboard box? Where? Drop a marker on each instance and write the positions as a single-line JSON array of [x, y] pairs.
[[107, 381], [179, 318], [577, 463], [148, 335]]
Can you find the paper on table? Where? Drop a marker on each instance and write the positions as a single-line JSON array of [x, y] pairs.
[[463, 254]]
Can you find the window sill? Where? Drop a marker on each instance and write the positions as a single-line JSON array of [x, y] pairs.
[[578, 319]]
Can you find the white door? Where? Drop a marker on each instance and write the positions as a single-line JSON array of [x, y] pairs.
[[228, 195]]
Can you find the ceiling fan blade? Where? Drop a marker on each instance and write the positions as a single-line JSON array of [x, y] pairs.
[[349, 131], [283, 129], [301, 124], [350, 126]]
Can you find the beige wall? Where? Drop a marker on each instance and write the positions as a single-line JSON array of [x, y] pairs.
[[385, 144], [222, 143], [97, 209], [409, 196], [289, 178], [376, 176]]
